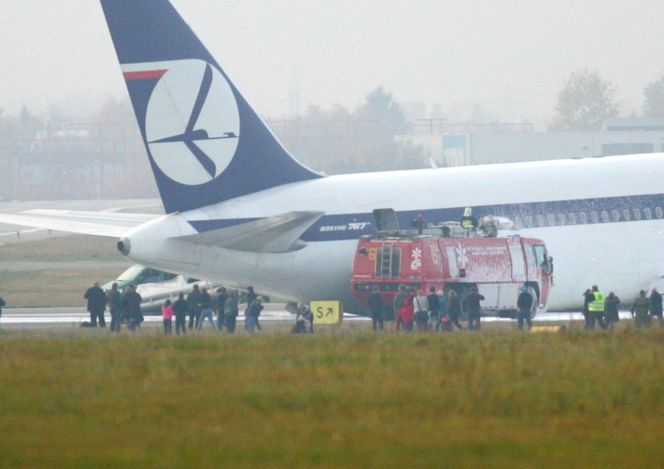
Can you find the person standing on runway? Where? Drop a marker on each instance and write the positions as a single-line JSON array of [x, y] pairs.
[[207, 312], [231, 311], [222, 297], [180, 309], [376, 308], [194, 299], [114, 298], [167, 316], [96, 305], [656, 305]]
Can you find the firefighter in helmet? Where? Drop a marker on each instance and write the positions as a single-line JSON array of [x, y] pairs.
[[468, 221], [596, 309]]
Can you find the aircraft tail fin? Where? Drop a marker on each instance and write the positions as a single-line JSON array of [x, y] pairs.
[[205, 142]]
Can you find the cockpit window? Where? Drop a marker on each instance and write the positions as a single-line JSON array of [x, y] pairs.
[[131, 274]]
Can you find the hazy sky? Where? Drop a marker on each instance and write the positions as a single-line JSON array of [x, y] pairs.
[[509, 56]]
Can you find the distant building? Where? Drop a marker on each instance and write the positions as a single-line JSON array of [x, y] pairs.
[[459, 144], [73, 160]]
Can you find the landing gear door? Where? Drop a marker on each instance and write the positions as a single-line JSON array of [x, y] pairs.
[[386, 221]]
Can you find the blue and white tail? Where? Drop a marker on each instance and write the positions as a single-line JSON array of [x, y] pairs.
[[205, 142]]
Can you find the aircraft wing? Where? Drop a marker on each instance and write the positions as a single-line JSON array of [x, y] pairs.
[[110, 224], [279, 233]]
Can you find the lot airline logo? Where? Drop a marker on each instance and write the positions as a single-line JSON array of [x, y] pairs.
[[192, 123]]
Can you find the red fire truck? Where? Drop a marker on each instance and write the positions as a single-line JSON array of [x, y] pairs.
[[497, 266]]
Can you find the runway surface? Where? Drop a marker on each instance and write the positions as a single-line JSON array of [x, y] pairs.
[[275, 312]]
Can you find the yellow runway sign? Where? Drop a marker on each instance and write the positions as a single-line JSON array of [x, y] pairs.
[[327, 312]]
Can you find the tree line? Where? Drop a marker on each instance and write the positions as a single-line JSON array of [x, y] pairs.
[[586, 101]]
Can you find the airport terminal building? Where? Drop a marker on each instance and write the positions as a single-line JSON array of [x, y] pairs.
[[461, 144]]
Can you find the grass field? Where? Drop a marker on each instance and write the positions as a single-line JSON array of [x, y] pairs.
[[50, 288], [490, 399], [63, 248], [56, 286]]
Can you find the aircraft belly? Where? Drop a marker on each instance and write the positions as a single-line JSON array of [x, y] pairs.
[[618, 257], [318, 271], [584, 255]]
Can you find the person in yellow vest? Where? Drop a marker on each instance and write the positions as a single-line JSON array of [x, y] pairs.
[[468, 221], [596, 309]]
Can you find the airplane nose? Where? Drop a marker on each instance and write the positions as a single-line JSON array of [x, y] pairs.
[[124, 246]]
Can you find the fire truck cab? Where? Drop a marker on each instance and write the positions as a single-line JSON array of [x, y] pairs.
[[497, 266]]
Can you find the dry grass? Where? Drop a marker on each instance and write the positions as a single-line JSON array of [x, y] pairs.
[[50, 288], [63, 248], [495, 399]]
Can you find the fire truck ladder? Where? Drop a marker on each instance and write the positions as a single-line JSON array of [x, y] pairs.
[[386, 253]]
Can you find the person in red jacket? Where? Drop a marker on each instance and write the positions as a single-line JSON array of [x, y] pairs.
[[404, 317]]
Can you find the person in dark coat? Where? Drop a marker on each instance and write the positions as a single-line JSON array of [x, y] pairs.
[[131, 306], [588, 298], [397, 302], [473, 308], [231, 311], [641, 310], [2, 304], [222, 296], [114, 298], [251, 297], [376, 308], [180, 309], [96, 304], [454, 308], [656, 306], [207, 311], [433, 301], [525, 305], [194, 300], [251, 316], [611, 303], [419, 223]]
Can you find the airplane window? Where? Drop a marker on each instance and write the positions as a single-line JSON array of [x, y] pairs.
[[637, 214], [517, 221], [551, 219], [151, 276], [539, 219], [615, 215], [605, 216], [659, 214], [583, 218], [593, 217], [561, 219], [647, 213], [528, 220], [626, 215], [572, 218]]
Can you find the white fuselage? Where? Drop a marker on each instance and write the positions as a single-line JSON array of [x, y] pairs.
[[608, 248]]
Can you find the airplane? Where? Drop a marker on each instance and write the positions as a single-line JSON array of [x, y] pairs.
[[240, 210]]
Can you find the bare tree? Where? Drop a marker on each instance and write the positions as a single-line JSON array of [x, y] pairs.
[[653, 103], [584, 103]]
